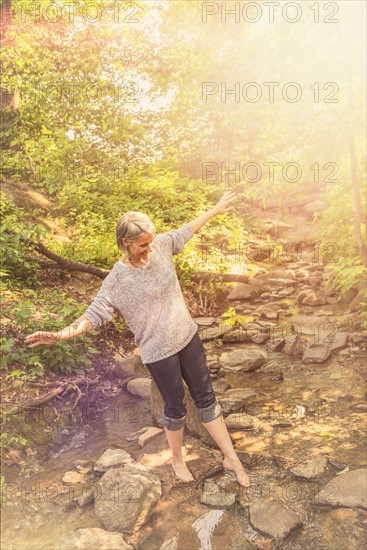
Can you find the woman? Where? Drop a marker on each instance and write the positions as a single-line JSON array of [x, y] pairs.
[[144, 287]]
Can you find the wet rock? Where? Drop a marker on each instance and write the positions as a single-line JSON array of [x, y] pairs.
[[345, 526], [311, 469], [243, 360], [149, 434], [231, 405], [127, 498], [69, 478], [249, 459], [93, 539], [112, 458], [215, 495], [139, 387], [347, 490], [274, 519], [244, 291]]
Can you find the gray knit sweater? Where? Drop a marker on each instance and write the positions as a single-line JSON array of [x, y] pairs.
[[150, 299]]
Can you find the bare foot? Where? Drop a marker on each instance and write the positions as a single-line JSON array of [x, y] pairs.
[[235, 465], [182, 471]]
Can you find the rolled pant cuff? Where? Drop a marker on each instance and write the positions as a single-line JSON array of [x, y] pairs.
[[173, 424], [207, 414]]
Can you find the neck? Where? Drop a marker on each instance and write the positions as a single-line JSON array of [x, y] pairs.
[[134, 263]]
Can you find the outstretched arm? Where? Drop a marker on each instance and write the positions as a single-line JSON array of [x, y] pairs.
[[78, 327], [221, 207]]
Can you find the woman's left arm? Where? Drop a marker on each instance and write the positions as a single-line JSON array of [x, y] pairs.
[[221, 207]]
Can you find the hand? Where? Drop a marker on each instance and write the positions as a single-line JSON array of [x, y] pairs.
[[41, 337], [222, 204]]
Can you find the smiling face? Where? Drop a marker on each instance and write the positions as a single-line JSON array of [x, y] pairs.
[[139, 250]]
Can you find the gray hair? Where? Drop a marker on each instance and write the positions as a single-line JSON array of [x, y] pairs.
[[131, 226]]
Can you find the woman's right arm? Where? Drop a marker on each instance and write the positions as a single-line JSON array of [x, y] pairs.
[[80, 326]]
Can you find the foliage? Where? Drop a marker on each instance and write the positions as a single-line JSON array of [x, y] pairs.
[[16, 231], [23, 312]]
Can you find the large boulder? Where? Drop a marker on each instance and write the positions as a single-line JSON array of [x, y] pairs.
[[244, 291], [129, 366], [126, 498], [139, 387]]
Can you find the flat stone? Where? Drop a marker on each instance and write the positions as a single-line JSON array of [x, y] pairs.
[[347, 490], [150, 434], [139, 387], [311, 469], [112, 458], [216, 496], [241, 421], [69, 478], [93, 539], [243, 360], [274, 519]]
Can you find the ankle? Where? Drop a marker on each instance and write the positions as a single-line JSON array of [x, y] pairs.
[[177, 459]]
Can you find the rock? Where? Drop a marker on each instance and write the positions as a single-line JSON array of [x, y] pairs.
[[205, 321], [267, 312], [312, 299], [347, 490], [213, 494], [242, 421], [311, 469], [280, 282], [295, 346], [216, 331], [86, 498], [330, 342], [274, 519], [243, 360], [139, 387], [150, 434], [244, 291], [129, 366], [112, 458], [277, 274], [220, 387], [69, 478], [240, 393], [345, 526], [93, 539], [236, 335], [127, 498], [231, 405]]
